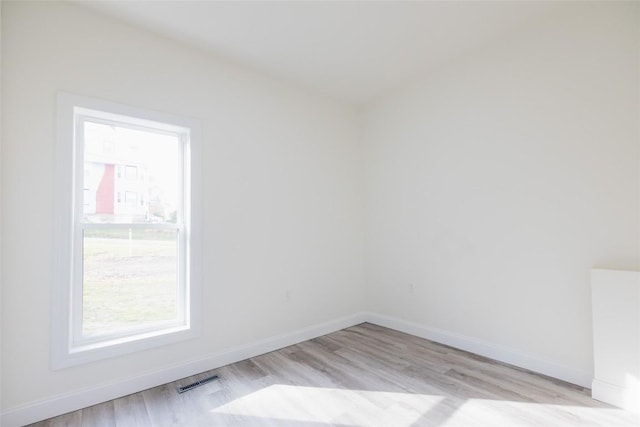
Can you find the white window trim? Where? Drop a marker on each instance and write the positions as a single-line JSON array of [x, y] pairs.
[[65, 353]]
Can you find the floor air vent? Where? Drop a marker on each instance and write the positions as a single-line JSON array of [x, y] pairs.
[[197, 384]]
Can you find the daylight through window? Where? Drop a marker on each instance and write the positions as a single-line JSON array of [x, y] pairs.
[[131, 251], [131, 230]]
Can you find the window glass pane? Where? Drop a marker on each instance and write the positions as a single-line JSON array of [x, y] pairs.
[[141, 166], [129, 279], [131, 173]]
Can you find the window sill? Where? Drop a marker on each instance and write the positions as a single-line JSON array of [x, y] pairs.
[[85, 353]]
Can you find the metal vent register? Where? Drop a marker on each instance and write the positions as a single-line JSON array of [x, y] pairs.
[[197, 384]]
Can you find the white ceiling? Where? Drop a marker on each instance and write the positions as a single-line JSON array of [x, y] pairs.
[[351, 50]]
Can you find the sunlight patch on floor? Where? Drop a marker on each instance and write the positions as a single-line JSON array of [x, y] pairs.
[[331, 405], [378, 408], [483, 412]]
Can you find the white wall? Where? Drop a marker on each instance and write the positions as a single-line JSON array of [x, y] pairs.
[[496, 183], [280, 191]]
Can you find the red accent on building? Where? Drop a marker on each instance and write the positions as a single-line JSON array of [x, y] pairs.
[[104, 193]]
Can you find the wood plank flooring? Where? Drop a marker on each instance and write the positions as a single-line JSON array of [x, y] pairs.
[[361, 376]]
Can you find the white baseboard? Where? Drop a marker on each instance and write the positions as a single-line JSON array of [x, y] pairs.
[[77, 399], [483, 348], [622, 397]]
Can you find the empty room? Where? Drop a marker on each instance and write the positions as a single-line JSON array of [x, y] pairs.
[[320, 213]]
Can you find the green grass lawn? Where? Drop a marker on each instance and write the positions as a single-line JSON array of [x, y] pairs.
[[127, 283]]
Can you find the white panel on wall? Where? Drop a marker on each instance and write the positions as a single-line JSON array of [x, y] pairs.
[[616, 337]]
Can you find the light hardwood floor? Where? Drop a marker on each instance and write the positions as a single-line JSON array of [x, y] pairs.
[[361, 376]]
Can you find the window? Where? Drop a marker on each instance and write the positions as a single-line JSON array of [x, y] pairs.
[[131, 172], [127, 273], [130, 198]]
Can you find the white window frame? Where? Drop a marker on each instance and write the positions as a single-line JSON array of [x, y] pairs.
[[68, 347]]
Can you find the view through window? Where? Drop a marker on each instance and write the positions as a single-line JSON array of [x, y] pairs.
[[131, 228]]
